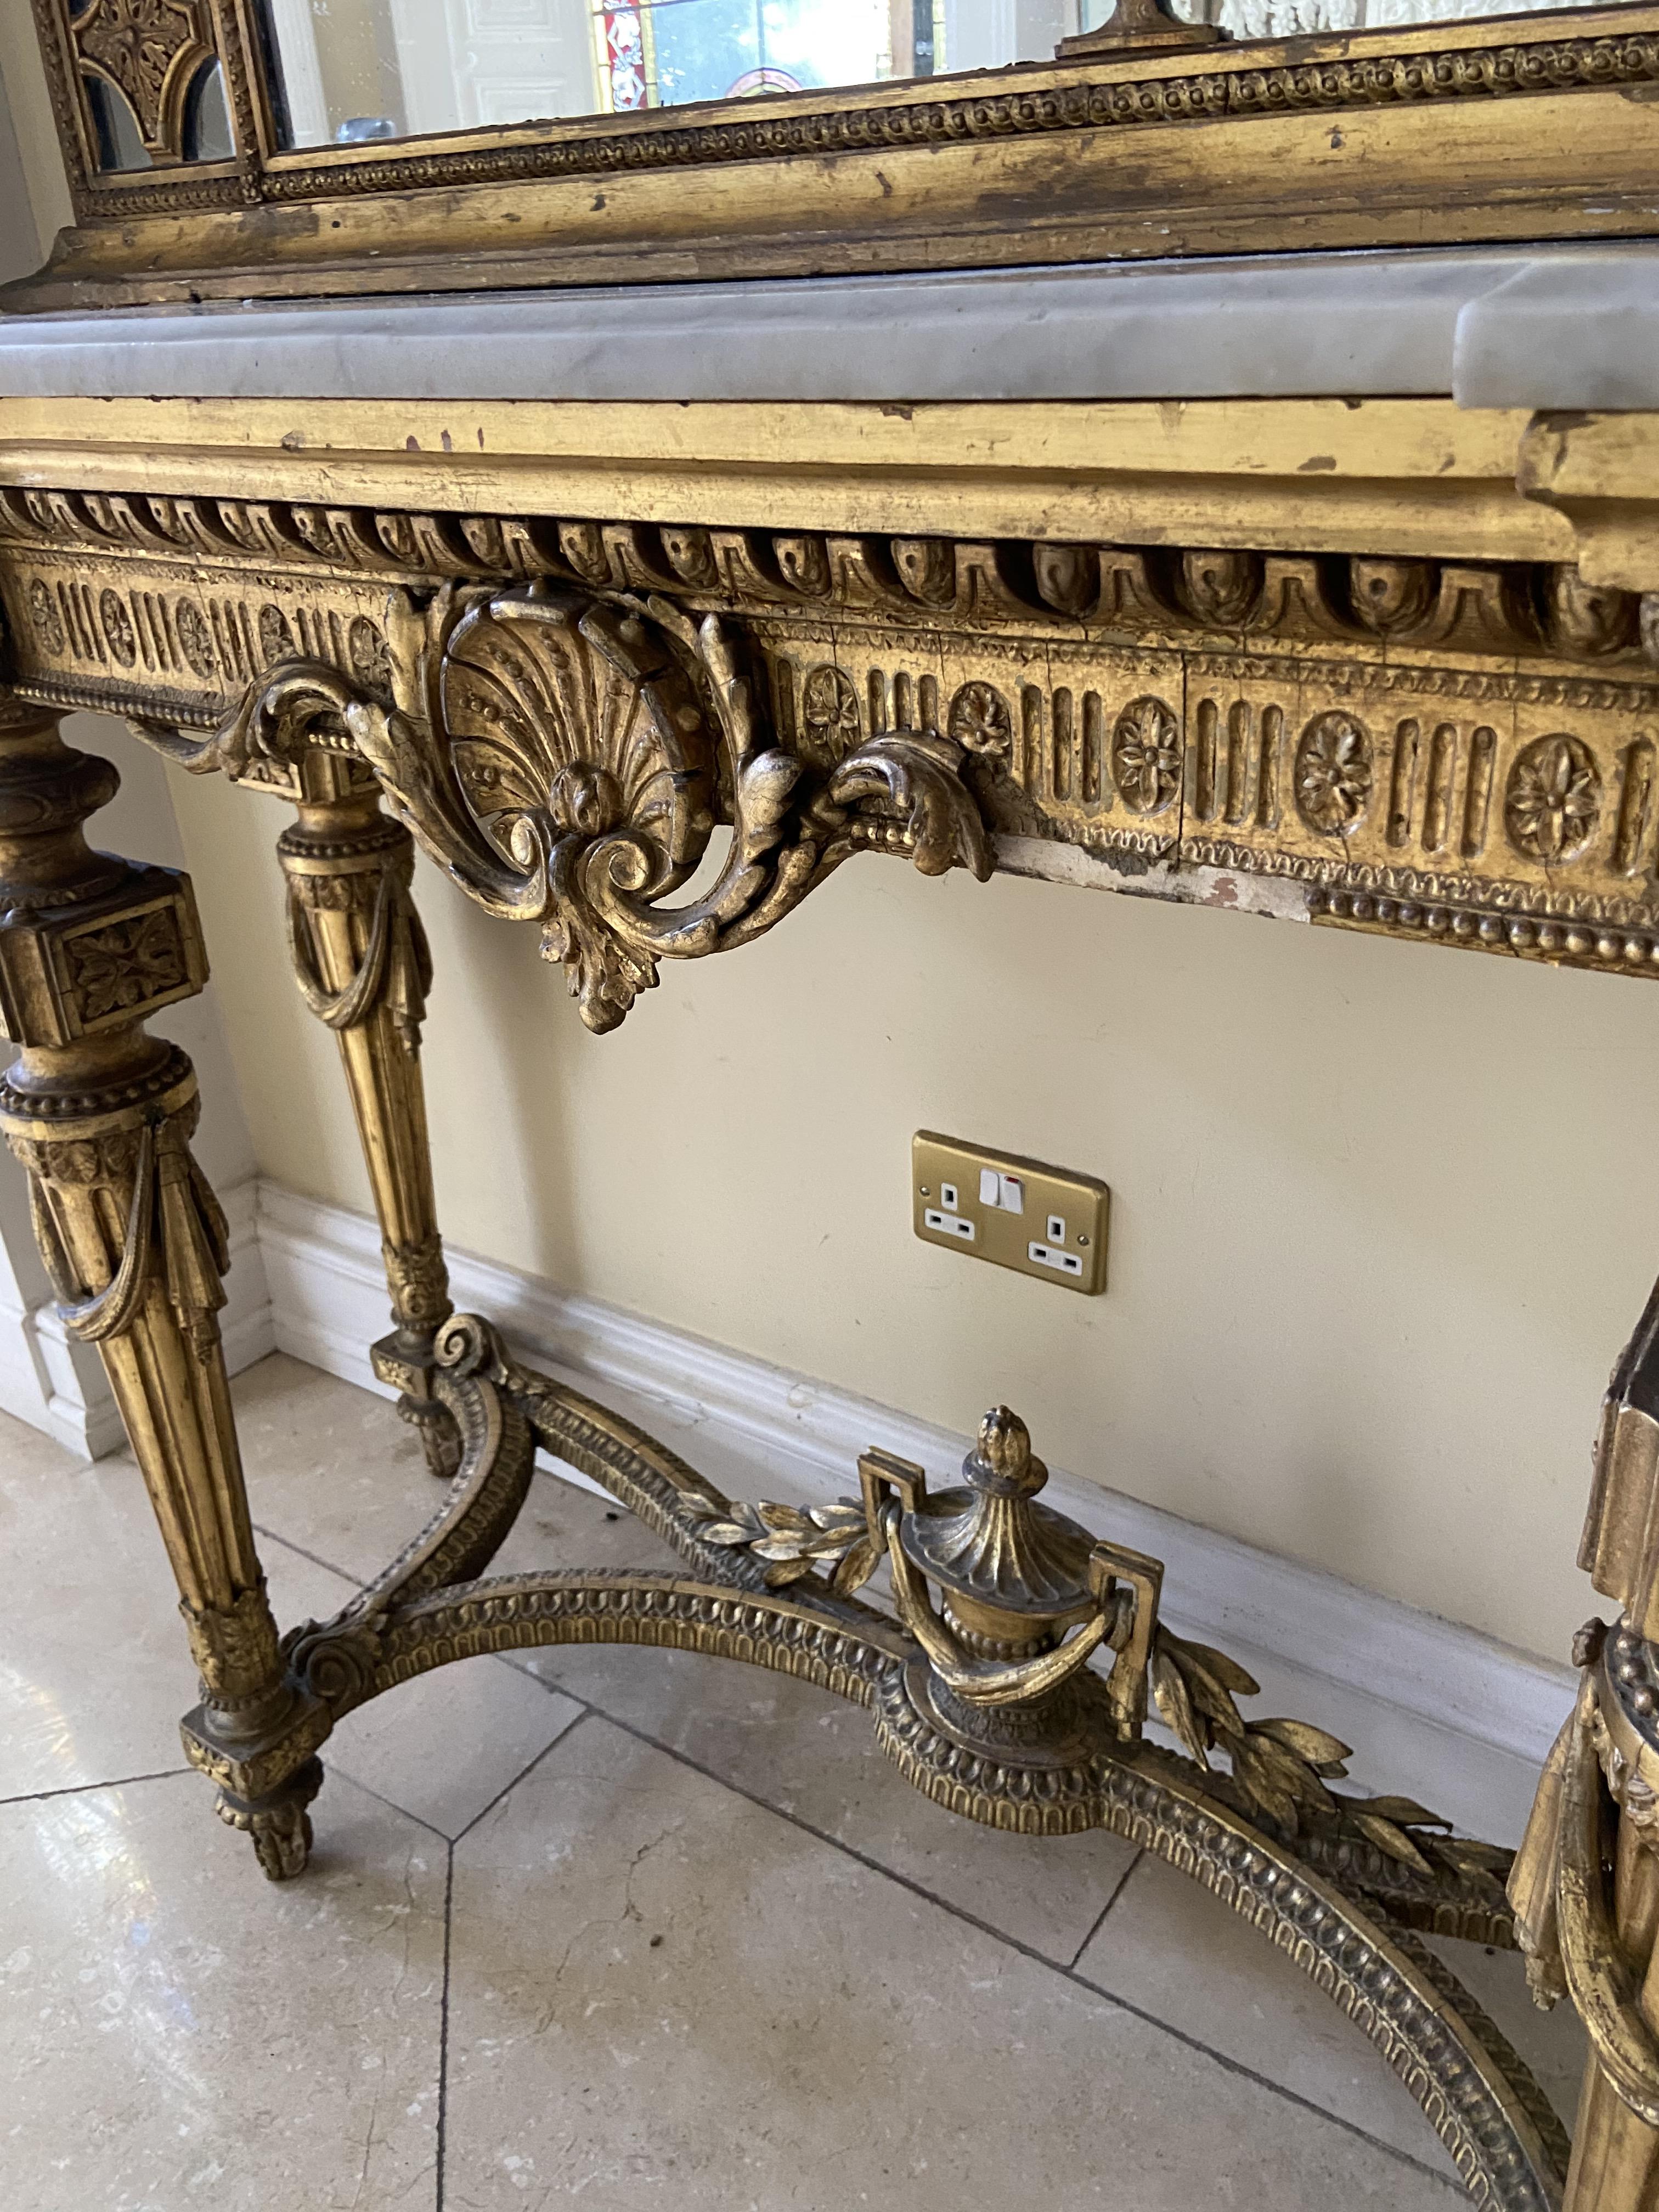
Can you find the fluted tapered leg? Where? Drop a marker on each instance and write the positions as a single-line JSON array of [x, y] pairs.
[[361, 959], [101, 1115], [1585, 1884]]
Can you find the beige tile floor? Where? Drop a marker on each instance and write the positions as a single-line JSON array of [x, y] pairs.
[[623, 1928]]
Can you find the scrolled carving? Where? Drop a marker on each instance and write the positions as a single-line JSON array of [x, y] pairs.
[[419, 1282], [566, 768], [336, 1659], [927, 570], [148, 50], [1585, 620]]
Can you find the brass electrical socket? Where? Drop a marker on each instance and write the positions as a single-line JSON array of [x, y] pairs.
[[1017, 1212]]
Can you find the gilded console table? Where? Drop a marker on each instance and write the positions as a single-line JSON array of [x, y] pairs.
[[1107, 612], [489, 627]]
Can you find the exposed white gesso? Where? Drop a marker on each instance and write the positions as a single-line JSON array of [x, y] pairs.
[[1457, 1717]]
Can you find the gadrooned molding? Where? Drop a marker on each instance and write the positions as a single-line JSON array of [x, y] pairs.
[[1467, 1720]]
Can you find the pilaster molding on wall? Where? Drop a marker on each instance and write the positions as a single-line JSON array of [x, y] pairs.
[[1303, 1631], [54, 1383]]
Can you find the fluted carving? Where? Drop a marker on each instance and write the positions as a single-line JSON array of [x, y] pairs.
[[101, 1116], [361, 960]]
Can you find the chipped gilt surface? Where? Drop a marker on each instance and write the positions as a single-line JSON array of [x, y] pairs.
[[1433, 750]]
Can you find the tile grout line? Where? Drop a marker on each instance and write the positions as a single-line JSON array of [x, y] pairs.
[[443, 2032], [584, 1711], [874, 1865], [1025, 1950], [358, 1583], [344, 1774], [328, 1566], [1118, 1889], [80, 1788]]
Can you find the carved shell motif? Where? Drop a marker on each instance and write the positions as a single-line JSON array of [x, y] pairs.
[[554, 703]]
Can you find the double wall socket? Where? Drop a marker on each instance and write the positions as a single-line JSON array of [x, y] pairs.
[[1039, 1220]]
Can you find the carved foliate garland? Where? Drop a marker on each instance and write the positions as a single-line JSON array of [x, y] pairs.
[[572, 747], [1456, 753], [768, 1602], [564, 765]]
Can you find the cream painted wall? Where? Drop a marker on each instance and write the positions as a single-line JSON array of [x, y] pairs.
[[1382, 1215], [28, 231]]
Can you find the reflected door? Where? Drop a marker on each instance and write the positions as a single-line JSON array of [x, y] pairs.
[[354, 69], [466, 63]]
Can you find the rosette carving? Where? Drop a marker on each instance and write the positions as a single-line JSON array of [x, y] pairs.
[[569, 760]]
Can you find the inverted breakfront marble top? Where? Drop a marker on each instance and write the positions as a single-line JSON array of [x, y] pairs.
[[1513, 326]]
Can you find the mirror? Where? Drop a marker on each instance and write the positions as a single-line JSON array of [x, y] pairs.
[[150, 112], [348, 72], [351, 70]]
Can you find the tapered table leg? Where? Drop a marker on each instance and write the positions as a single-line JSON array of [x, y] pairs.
[[100, 1115], [1615, 2150], [1585, 1884], [360, 958]]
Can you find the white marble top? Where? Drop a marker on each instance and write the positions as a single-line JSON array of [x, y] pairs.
[[1508, 326]]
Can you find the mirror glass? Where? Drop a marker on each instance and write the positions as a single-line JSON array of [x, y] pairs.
[[349, 71], [135, 126], [352, 70]]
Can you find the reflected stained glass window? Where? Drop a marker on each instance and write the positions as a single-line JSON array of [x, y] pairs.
[[353, 70], [673, 51], [349, 71]]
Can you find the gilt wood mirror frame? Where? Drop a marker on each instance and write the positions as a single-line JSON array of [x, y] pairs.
[[1539, 125]]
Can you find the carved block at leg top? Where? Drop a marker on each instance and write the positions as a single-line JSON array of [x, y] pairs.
[[102, 1115]]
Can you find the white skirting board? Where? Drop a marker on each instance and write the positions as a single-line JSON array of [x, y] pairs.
[[1452, 1717]]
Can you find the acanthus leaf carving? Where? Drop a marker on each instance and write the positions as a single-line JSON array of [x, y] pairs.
[[565, 768]]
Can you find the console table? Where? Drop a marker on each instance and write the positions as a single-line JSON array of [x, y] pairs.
[[1325, 588]]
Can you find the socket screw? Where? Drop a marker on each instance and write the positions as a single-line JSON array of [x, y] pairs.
[[1082, 1235], [924, 1190]]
